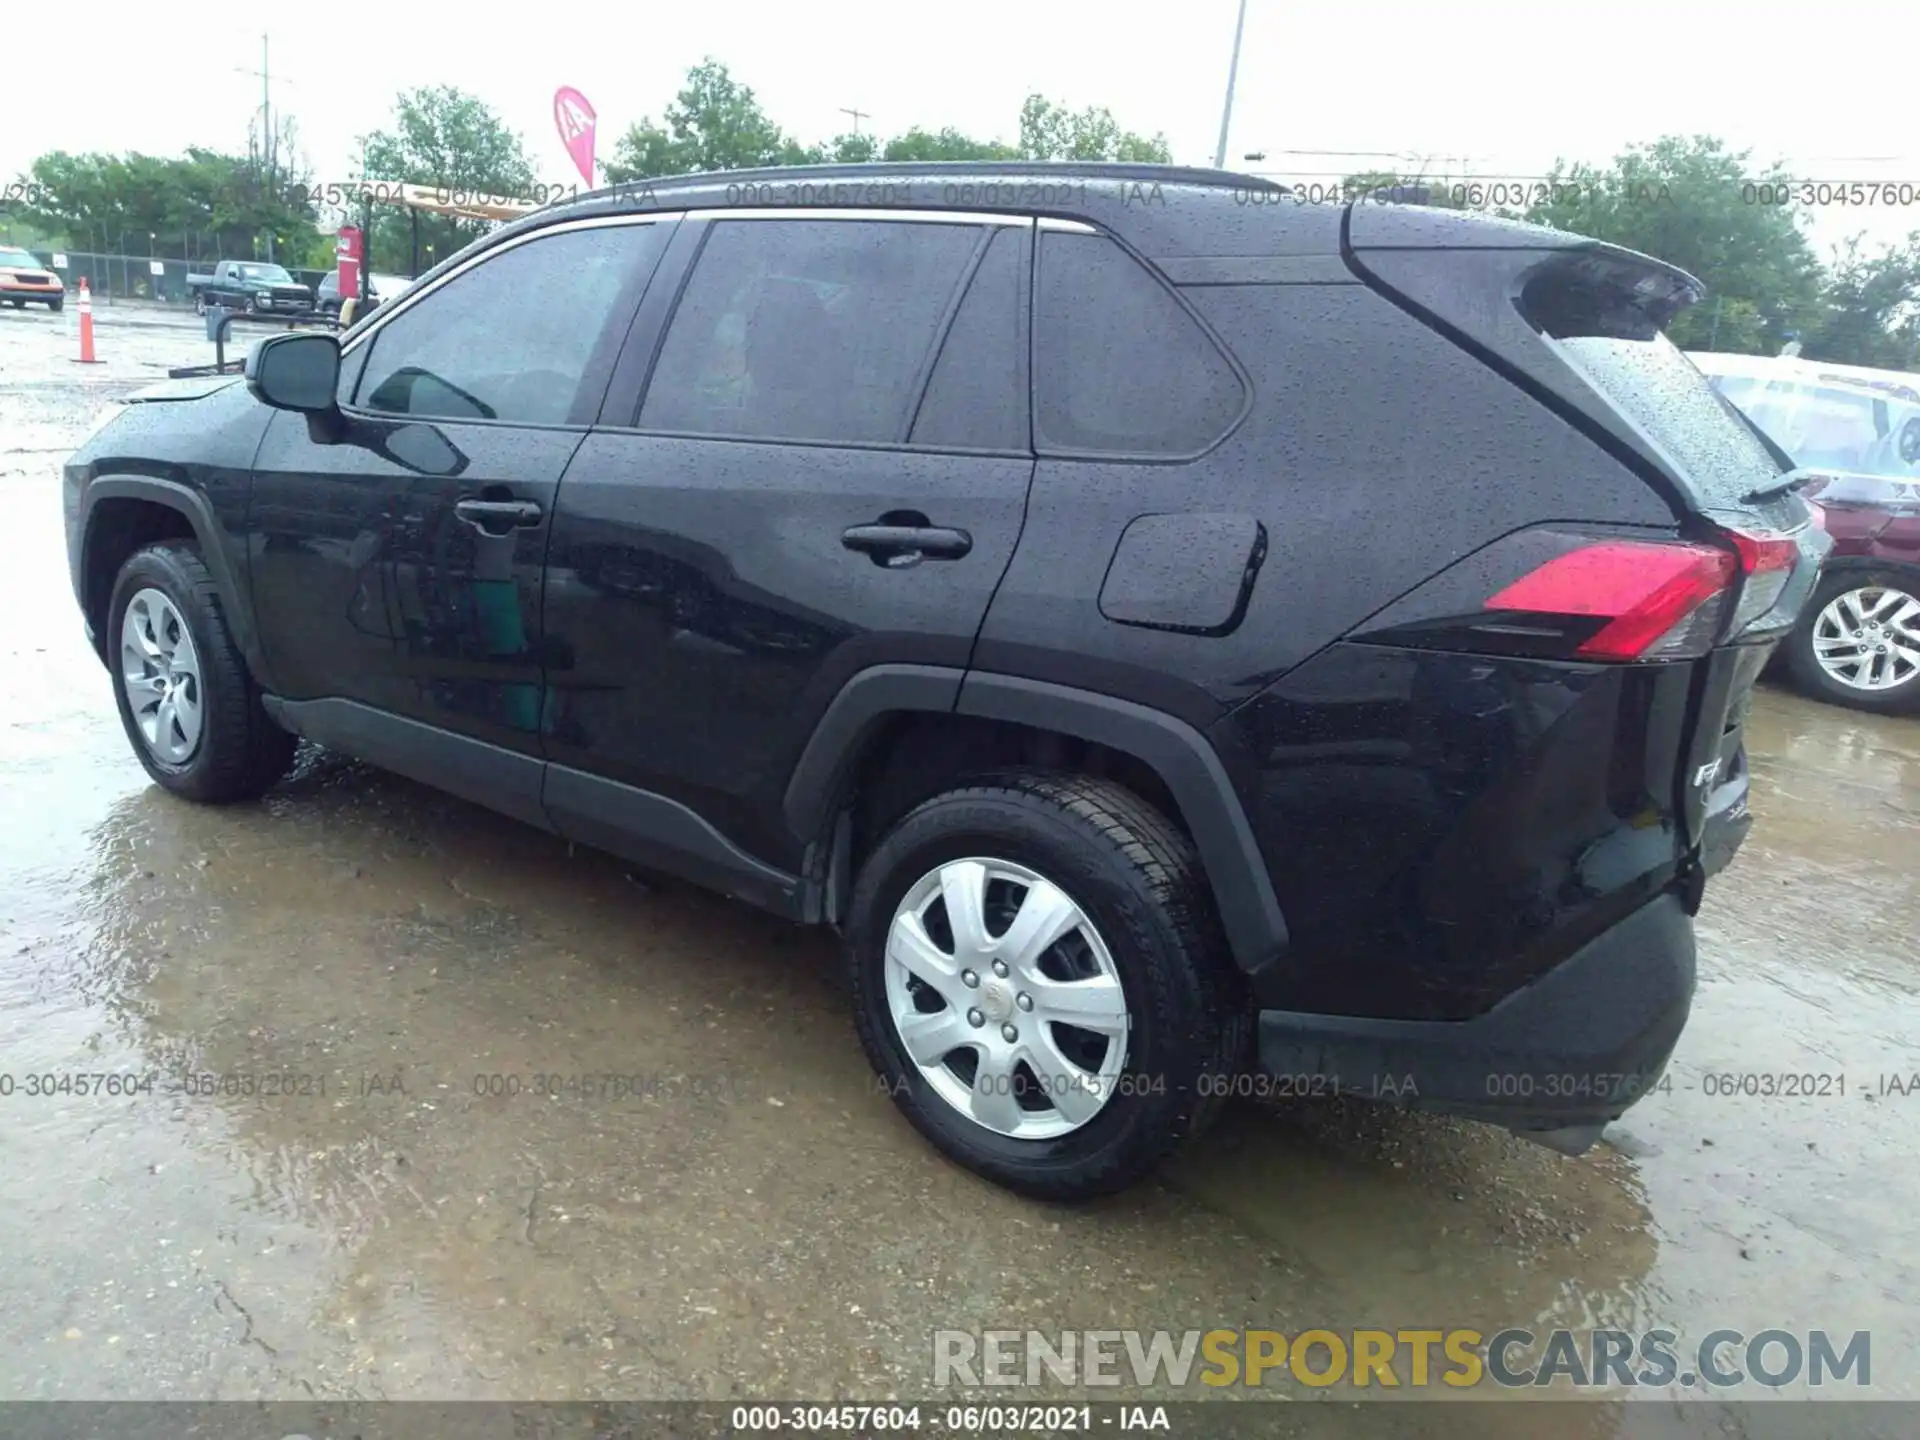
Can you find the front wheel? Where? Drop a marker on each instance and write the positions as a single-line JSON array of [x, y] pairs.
[[200, 304], [1039, 982], [55, 303], [190, 708], [1858, 641]]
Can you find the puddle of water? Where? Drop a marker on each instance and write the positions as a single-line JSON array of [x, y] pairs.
[[751, 1218]]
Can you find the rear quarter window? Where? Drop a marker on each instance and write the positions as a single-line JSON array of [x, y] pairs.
[[1662, 393], [1121, 367]]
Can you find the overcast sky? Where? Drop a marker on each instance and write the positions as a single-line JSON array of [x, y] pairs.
[[1494, 88]]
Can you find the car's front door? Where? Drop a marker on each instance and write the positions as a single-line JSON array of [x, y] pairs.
[[827, 471], [396, 562]]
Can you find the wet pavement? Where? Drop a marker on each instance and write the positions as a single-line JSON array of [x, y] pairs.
[[750, 1219]]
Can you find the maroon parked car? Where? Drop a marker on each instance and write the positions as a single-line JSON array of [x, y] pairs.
[[1858, 431]]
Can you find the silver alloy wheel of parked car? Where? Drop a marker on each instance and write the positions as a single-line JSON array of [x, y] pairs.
[[1869, 638], [160, 671], [1022, 1029]]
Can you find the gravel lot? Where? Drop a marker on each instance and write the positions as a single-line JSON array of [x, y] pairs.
[[756, 1221]]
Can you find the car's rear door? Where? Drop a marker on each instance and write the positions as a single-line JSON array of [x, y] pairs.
[[397, 563], [1581, 326], [814, 458]]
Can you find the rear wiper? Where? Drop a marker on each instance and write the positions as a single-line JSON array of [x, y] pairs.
[[1784, 486]]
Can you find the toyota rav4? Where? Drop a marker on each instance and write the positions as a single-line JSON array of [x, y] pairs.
[[1171, 632]]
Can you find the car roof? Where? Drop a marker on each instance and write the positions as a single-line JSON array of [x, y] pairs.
[[953, 170], [1158, 208], [1897, 383]]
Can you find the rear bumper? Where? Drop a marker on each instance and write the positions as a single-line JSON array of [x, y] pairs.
[[1728, 820], [1554, 1061]]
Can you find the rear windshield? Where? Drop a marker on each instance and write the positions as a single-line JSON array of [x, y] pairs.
[[1854, 429], [1664, 396]]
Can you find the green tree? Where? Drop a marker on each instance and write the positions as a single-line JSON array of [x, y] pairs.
[[853, 149], [447, 139], [1690, 201], [1386, 187], [1870, 310], [714, 123], [918, 146], [200, 206], [1053, 132]]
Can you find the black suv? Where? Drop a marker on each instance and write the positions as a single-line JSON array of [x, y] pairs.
[[1188, 641]]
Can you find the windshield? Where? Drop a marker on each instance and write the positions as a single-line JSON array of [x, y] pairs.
[[18, 259], [1851, 429], [273, 274]]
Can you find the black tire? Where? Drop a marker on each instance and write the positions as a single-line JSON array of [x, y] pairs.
[[1137, 878], [1806, 669], [253, 304], [200, 302], [241, 751], [17, 304], [56, 303]]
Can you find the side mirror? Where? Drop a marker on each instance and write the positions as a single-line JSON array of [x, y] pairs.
[[296, 372]]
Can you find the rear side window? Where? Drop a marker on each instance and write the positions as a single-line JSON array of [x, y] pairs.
[[807, 329], [511, 338], [1656, 387], [1120, 366], [977, 398]]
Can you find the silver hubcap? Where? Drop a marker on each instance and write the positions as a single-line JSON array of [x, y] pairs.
[[1869, 639], [1006, 998], [160, 670]]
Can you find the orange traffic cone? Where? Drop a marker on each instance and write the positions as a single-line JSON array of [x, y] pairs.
[[87, 356]]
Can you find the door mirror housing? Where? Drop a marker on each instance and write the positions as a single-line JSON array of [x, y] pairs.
[[296, 372]]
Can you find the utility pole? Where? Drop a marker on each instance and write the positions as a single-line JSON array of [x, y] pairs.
[[265, 72], [858, 116], [1233, 73]]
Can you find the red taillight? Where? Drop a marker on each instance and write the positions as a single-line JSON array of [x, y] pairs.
[[1768, 561], [1760, 554], [1657, 600]]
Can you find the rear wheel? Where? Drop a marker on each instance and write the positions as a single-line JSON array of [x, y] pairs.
[[1040, 984], [189, 705], [1858, 641]]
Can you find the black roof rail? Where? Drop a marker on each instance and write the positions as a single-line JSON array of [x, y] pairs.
[[1122, 171]]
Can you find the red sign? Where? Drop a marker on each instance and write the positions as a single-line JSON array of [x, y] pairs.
[[347, 252], [573, 117]]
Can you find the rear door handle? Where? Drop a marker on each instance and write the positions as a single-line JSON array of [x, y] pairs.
[[498, 516], [902, 545]]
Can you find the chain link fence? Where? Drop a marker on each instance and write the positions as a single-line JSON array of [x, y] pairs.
[[138, 277]]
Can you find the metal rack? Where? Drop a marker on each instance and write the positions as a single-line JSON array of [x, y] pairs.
[[220, 322]]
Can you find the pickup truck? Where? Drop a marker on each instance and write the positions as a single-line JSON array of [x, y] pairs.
[[251, 285]]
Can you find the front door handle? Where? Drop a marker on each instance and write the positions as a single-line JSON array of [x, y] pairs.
[[496, 517], [902, 545]]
